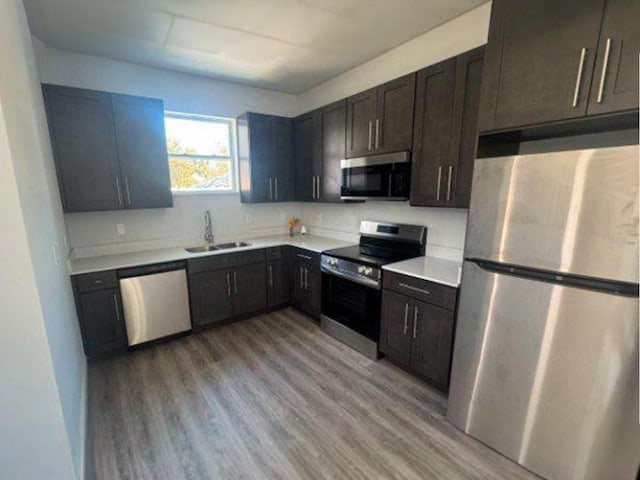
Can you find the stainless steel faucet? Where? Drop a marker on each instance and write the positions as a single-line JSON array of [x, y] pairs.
[[208, 229]]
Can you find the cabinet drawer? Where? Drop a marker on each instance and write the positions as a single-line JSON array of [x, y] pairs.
[[307, 255], [90, 282], [274, 253], [423, 290], [246, 258], [208, 264]]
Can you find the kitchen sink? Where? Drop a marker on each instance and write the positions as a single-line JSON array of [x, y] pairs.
[[202, 249], [220, 246], [224, 246]]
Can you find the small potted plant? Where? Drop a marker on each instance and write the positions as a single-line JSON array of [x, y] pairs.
[[292, 222]]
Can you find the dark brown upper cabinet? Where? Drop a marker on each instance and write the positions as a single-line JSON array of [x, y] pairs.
[[319, 140], [109, 150], [547, 61], [307, 164], [265, 155], [142, 151], [446, 131], [380, 120], [615, 84], [434, 112]]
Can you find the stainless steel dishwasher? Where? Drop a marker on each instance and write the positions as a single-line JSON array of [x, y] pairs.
[[155, 301]]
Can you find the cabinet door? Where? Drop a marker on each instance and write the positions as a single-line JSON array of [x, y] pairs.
[[533, 63], [464, 134], [261, 157], [305, 128], [102, 321], [615, 82], [432, 133], [84, 148], [277, 283], [282, 136], [300, 296], [361, 114], [142, 151], [332, 120], [250, 289], [313, 283], [395, 327], [432, 335], [393, 127], [210, 296]]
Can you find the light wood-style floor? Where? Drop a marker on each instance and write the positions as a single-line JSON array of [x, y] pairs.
[[272, 397]]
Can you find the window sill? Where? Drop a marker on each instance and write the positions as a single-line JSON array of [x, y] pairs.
[[178, 193]]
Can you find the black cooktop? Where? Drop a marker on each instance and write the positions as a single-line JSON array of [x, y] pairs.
[[370, 257]]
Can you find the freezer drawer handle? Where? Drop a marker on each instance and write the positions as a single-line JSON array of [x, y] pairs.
[[415, 289]]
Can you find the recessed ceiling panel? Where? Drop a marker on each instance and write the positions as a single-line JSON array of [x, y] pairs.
[[284, 45]]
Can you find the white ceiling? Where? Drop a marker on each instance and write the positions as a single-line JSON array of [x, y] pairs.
[[284, 45]]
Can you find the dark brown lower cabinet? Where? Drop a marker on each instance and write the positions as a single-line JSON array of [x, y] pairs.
[[222, 287], [210, 297], [99, 308], [277, 283], [249, 289], [415, 334], [306, 292]]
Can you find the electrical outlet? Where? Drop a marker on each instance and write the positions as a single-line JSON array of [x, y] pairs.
[[120, 229]]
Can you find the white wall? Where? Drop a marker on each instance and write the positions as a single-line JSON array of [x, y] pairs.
[[42, 367], [463, 33], [192, 94]]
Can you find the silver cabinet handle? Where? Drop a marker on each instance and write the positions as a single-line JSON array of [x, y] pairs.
[[370, 132], [116, 306], [306, 257], [306, 279], [270, 189], [318, 187], [228, 285], [406, 318], [377, 132], [276, 187], [415, 289], [415, 322], [301, 278], [576, 90], [235, 282], [439, 179], [118, 191], [449, 183], [313, 188], [126, 187], [605, 66], [271, 275]]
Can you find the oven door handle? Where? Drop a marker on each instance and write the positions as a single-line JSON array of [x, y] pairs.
[[362, 281]]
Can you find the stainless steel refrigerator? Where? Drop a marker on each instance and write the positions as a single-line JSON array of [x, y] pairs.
[[545, 365]]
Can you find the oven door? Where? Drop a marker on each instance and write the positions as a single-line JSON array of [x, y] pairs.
[[383, 176], [352, 304]]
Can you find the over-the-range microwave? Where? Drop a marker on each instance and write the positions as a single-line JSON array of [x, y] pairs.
[[377, 177]]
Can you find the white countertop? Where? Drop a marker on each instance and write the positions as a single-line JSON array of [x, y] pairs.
[[147, 257], [438, 270]]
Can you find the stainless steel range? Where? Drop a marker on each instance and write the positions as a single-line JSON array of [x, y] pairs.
[[352, 281]]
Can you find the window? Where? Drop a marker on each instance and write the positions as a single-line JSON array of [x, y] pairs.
[[201, 153]]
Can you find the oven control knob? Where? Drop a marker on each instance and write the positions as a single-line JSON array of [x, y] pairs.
[[368, 271], [362, 269], [333, 261]]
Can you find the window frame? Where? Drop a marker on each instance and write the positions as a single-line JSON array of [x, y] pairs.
[[232, 158]]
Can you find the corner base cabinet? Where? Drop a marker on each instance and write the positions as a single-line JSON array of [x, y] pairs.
[[417, 327]]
